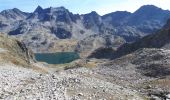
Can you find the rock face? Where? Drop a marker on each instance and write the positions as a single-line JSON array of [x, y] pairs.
[[147, 14], [158, 40], [14, 51], [91, 43], [43, 29], [145, 70], [142, 65], [102, 53], [145, 20]]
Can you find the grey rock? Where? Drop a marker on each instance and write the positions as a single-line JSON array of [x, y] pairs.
[[158, 40]]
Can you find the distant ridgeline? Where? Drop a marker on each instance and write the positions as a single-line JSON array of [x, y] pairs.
[[52, 29]]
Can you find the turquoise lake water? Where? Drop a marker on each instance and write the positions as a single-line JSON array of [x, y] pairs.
[[57, 58]]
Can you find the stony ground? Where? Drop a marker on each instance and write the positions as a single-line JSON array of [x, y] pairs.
[[142, 75], [19, 83], [146, 71], [120, 79]]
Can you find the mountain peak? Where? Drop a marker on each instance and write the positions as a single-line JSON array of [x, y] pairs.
[[16, 10], [11, 10], [117, 14], [94, 13], [55, 9], [38, 9], [61, 8], [58, 8], [148, 13], [149, 8], [14, 13]]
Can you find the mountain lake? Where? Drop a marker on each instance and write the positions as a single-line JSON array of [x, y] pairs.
[[57, 58]]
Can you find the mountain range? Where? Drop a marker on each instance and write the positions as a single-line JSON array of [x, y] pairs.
[[158, 40], [132, 51], [57, 29], [141, 72]]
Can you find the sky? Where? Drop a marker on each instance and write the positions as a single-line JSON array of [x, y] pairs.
[[84, 6]]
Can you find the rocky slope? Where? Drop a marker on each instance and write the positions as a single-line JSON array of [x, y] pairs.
[[143, 65], [94, 42], [147, 19], [14, 51], [141, 75], [44, 29], [145, 70], [21, 78], [21, 83], [158, 40]]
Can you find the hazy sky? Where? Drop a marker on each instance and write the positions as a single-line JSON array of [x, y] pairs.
[[83, 6]]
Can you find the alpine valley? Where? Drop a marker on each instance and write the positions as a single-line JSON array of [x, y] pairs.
[[118, 56]]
